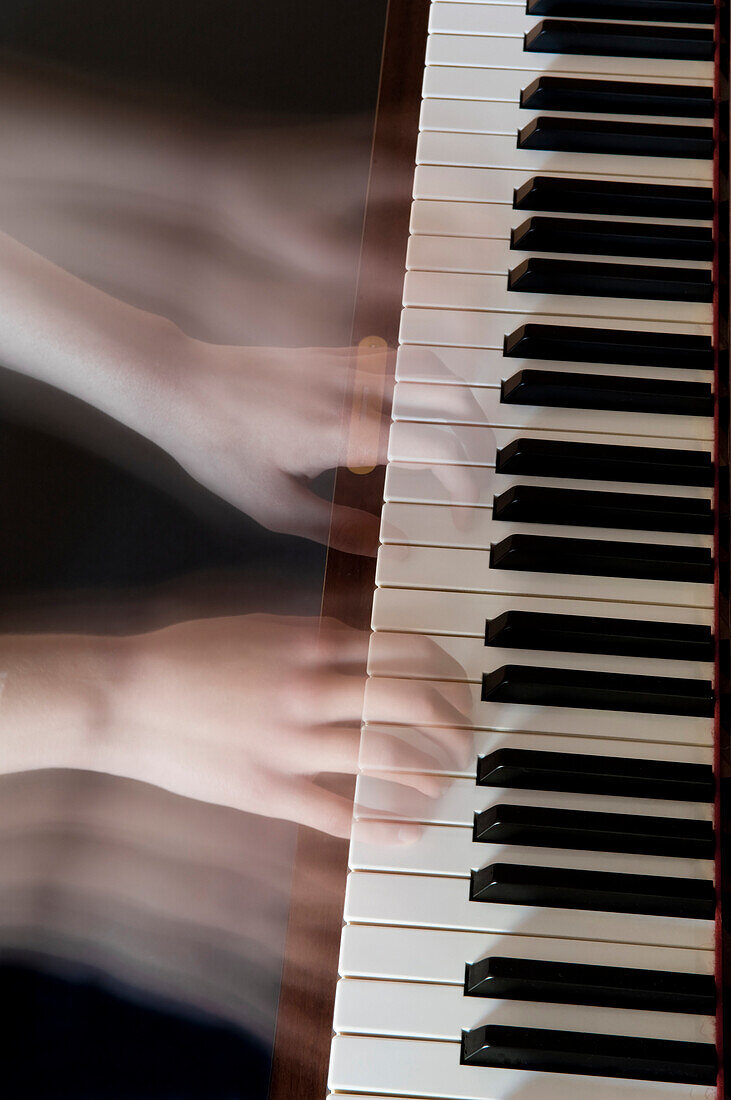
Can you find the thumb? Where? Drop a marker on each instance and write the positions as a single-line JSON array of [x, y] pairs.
[[354, 531], [302, 512]]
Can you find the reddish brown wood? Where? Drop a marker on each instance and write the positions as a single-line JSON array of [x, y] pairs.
[[304, 1021]]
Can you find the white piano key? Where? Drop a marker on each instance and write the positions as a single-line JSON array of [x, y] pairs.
[[445, 218], [419, 886], [432, 955], [491, 19], [481, 116], [494, 184], [383, 694], [490, 327], [482, 405], [469, 571], [450, 852], [460, 82], [506, 52], [374, 736], [417, 1068], [488, 18], [446, 657], [488, 366], [488, 256], [435, 290], [423, 901], [459, 219], [416, 1011], [501, 151], [472, 445], [377, 797], [432, 483], [449, 612], [475, 529]]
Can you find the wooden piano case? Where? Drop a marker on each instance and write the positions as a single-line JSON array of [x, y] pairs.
[[304, 1023]]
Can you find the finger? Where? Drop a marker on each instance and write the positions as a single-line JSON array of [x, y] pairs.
[[386, 833], [364, 443], [393, 654], [459, 744], [391, 797], [330, 749], [416, 703], [335, 697], [417, 363], [354, 531], [450, 404], [339, 644], [294, 509], [464, 485], [299, 511], [403, 748], [424, 760], [458, 444], [337, 752], [319, 809]]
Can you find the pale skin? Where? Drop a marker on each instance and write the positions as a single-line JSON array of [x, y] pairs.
[[242, 712], [253, 424]]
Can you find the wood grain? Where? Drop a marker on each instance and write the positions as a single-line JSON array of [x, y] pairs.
[[304, 1021]]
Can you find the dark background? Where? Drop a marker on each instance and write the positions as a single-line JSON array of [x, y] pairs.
[[74, 523]]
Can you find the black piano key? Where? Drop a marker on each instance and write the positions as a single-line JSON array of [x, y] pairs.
[[568, 36], [536, 770], [582, 196], [596, 391], [584, 634], [576, 344], [498, 1046], [650, 11], [583, 984], [604, 462], [589, 831], [617, 97], [565, 687], [612, 238], [585, 508], [537, 275], [597, 891], [631, 139], [600, 558]]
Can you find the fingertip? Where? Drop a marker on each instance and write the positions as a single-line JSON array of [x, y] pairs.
[[355, 532], [463, 518], [432, 786], [409, 834]]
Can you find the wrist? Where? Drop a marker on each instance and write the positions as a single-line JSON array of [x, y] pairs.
[[140, 378], [56, 700]]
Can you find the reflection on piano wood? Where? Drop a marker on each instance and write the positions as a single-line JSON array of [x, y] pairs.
[[554, 473]]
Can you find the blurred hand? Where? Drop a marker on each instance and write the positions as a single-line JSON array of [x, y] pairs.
[[254, 424], [244, 712]]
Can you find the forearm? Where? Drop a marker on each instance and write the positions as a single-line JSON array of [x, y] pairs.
[[61, 330], [56, 698]]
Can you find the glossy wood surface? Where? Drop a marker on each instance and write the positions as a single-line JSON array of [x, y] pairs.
[[304, 1021]]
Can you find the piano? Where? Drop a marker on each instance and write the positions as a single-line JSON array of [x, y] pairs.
[[555, 520]]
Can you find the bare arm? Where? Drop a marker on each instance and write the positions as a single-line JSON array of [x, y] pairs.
[[251, 424], [242, 712]]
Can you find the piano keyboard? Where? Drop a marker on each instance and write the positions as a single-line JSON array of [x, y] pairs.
[[548, 547]]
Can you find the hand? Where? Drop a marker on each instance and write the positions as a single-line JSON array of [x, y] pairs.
[[244, 712], [253, 424]]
